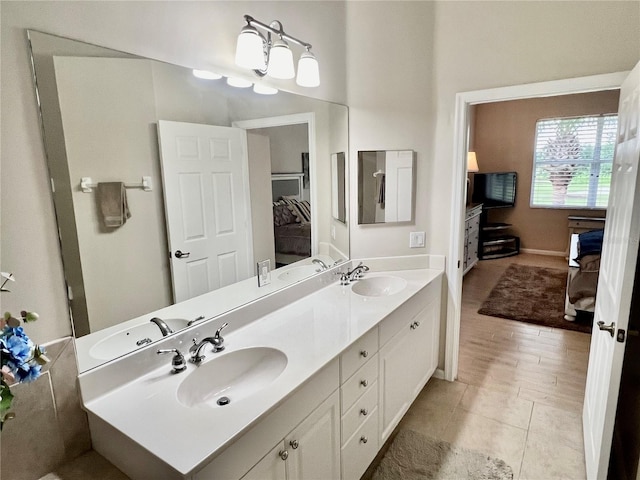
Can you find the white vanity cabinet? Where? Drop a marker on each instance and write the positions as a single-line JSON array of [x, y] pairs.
[[408, 355], [311, 451]]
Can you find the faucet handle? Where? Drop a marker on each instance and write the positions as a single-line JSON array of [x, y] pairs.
[[218, 339], [177, 362], [217, 335]]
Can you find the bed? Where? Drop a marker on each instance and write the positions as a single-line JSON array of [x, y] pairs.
[[582, 278], [291, 218]]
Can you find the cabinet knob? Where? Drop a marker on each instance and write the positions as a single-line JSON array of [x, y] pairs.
[[413, 326], [364, 383], [284, 454], [363, 439], [364, 412], [294, 444], [417, 324], [364, 353]]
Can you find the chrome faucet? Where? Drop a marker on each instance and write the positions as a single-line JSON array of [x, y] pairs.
[[323, 265], [357, 272], [217, 341], [164, 328]]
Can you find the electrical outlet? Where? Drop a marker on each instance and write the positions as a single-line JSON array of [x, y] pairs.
[[416, 239], [264, 272]]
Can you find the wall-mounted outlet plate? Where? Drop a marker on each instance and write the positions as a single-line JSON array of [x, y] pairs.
[[264, 272], [416, 239]]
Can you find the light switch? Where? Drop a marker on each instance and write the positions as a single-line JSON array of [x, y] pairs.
[[416, 239], [264, 272]]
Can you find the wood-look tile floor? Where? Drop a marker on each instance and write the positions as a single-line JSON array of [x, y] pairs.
[[520, 387]]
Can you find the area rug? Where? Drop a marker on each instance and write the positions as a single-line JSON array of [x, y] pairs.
[[533, 295], [414, 456]]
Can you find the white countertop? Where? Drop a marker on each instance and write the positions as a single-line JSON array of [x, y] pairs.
[[311, 332]]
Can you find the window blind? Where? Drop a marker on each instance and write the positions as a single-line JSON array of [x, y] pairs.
[[572, 161]]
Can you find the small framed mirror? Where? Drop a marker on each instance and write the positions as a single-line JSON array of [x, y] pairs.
[[338, 187], [385, 186]]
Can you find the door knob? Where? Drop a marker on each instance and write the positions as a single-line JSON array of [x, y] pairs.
[[181, 254], [607, 328]]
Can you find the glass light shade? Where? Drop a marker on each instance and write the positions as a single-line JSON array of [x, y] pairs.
[[308, 71], [472, 162], [280, 61], [206, 74], [250, 49], [238, 82], [264, 90]]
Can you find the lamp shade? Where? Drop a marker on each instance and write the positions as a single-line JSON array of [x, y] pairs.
[[250, 49], [308, 71], [206, 74], [472, 162], [238, 82], [280, 61], [264, 90]]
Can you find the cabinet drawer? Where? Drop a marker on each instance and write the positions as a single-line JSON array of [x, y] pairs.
[[360, 449], [358, 354], [360, 383], [359, 412]]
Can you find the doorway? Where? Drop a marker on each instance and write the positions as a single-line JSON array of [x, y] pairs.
[[464, 101]]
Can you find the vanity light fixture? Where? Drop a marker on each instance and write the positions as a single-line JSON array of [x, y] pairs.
[[274, 57], [206, 74]]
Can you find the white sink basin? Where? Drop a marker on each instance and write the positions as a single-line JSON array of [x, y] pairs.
[[295, 274], [235, 375], [131, 339], [381, 286]]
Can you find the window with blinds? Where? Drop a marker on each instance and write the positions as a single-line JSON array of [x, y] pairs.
[[572, 161]]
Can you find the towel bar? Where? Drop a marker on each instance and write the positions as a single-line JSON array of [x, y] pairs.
[[87, 185]]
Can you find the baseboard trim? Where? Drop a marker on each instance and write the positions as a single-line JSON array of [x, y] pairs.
[[551, 253], [439, 373]]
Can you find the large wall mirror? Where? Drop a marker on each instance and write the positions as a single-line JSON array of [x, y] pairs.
[[386, 182], [199, 161]]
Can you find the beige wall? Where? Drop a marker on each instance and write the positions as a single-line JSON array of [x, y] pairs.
[[504, 137]]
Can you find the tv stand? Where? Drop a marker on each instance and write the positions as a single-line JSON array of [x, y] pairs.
[[495, 240]]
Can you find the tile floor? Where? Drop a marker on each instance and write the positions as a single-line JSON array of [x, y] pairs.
[[520, 387]]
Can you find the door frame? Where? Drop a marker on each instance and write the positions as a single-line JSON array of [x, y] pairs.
[[295, 119], [593, 83]]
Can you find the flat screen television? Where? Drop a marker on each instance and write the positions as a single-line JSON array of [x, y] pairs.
[[495, 190]]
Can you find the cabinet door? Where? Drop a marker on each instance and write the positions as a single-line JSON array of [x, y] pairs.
[[314, 446], [424, 342], [396, 378], [271, 467]]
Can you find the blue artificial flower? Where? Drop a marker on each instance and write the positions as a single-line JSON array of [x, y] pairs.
[[27, 372], [16, 346]]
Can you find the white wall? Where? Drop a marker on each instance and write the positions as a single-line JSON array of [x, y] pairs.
[[260, 188], [389, 66]]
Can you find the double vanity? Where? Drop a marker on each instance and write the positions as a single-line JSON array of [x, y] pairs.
[[311, 383]]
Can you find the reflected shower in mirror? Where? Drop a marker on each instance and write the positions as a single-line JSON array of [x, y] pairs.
[[385, 186], [117, 117]]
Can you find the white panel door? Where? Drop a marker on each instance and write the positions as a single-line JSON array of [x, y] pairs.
[[204, 174], [615, 284], [398, 190]]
